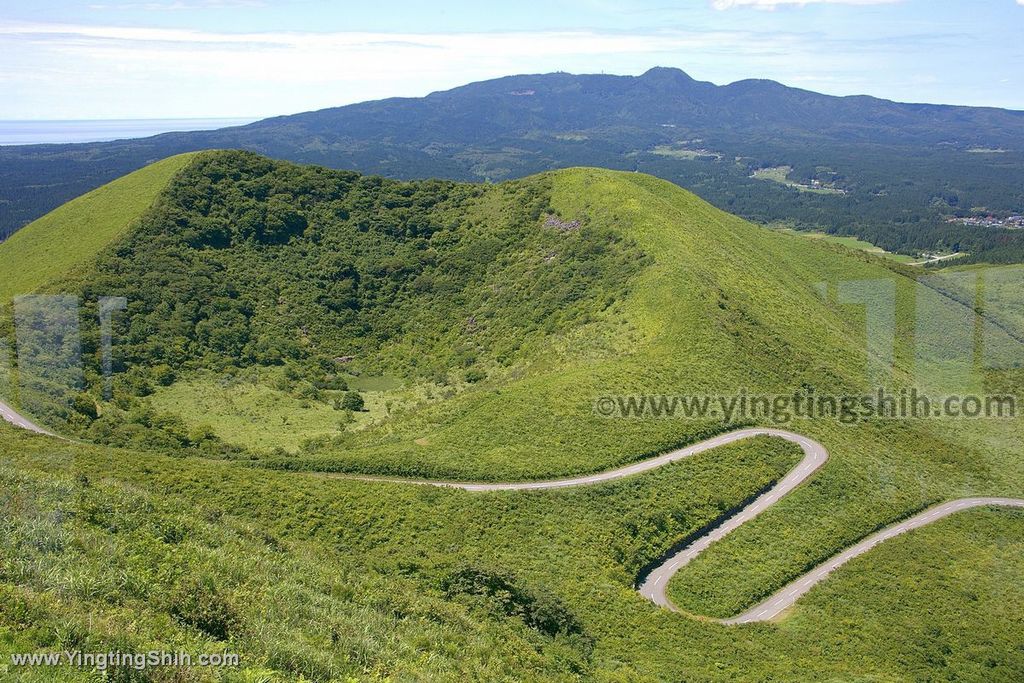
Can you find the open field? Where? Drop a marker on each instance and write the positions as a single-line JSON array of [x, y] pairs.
[[251, 409], [779, 174], [675, 152], [850, 242]]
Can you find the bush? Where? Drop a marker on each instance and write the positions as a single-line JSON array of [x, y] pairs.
[[164, 375], [332, 383], [538, 610], [84, 405], [352, 400], [202, 604], [474, 375]]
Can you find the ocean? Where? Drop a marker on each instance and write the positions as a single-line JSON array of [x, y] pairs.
[[57, 132]]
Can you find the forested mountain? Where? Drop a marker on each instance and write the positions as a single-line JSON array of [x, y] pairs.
[[888, 172]]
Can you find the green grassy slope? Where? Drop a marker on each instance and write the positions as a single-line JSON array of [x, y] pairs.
[[498, 333], [1002, 286], [724, 306], [69, 237], [342, 580]]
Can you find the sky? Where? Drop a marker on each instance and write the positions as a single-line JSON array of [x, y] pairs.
[[130, 59]]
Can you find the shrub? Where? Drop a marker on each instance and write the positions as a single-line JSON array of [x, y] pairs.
[[202, 604], [539, 610], [84, 405], [163, 375], [352, 400], [474, 375]]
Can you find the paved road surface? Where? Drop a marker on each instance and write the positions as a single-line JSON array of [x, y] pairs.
[[653, 588], [935, 259], [8, 413], [788, 595], [622, 472]]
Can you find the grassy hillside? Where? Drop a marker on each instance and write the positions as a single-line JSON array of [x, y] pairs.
[[478, 325], [336, 580], [69, 237], [851, 242], [332, 277], [1002, 287]]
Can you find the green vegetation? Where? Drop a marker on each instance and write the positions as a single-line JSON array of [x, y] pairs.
[[68, 238], [996, 291], [94, 563], [900, 173], [780, 174], [247, 262], [1002, 289], [478, 324], [1004, 293], [300, 258], [674, 152], [333, 579], [776, 174], [850, 242], [970, 559], [261, 410]]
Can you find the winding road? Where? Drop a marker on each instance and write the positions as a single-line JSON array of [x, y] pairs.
[[806, 467], [11, 415], [654, 585], [786, 596]]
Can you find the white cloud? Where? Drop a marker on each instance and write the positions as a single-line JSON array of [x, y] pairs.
[[773, 4], [87, 71], [125, 72], [279, 52], [181, 5]]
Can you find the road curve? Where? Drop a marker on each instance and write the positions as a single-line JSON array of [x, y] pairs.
[[787, 595], [11, 415], [654, 586], [798, 474], [815, 455]]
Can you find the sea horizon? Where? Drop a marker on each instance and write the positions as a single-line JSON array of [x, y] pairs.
[[56, 132]]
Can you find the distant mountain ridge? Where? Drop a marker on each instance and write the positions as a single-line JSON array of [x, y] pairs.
[[890, 172], [661, 96]]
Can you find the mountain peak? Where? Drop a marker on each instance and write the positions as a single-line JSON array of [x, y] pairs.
[[665, 74]]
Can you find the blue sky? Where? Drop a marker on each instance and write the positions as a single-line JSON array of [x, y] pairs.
[[254, 58]]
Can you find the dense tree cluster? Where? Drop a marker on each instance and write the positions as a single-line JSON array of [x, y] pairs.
[[247, 261]]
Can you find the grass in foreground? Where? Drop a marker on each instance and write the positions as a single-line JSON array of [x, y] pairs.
[[334, 580]]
